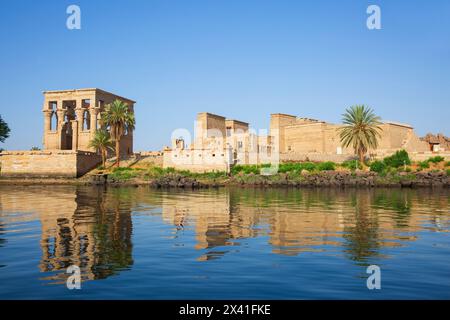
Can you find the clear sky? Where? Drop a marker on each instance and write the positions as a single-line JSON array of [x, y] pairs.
[[243, 59]]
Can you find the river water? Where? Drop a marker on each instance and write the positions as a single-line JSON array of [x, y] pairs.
[[142, 243]]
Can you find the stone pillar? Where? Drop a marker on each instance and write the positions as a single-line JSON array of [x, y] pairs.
[[94, 114], [79, 113], [74, 124], [47, 125], [48, 120], [61, 113]]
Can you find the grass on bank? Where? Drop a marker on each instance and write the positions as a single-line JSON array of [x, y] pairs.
[[390, 166]]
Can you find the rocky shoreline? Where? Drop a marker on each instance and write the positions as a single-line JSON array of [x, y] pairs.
[[320, 179]]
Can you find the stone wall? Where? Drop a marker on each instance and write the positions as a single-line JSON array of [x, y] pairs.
[[422, 156], [314, 157], [47, 163], [195, 160], [151, 157]]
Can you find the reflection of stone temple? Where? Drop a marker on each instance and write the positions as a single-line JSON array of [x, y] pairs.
[[292, 225], [71, 118], [84, 228]]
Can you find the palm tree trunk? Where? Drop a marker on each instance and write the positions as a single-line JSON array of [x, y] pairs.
[[104, 158], [117, 152], [361, 158]]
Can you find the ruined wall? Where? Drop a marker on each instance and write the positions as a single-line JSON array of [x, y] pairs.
[[195, 160], [54, 163], [151, 157]]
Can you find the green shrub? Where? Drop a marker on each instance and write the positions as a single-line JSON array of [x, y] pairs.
[[424, 164], [398, 159], [378, 166], [245, 169], [326, 166], [211, 175], [448, 172], [296, 166], [447, 164], [309, 166], [124, 173], [436, 159], [352, 164], [408, 169]]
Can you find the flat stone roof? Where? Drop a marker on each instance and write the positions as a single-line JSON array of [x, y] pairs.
[[87, 89], [398, 124], [237, 121], [211, 115]]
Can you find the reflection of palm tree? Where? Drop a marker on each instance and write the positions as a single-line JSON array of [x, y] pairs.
[[362, 238], [397, 200], [113, 234]]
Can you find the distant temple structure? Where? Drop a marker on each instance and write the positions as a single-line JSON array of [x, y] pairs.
[[220, 143], [437, 143], [71, 118], [303, 138]]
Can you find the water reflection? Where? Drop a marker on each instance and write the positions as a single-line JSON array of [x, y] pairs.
[[92, 227], [87, 227]]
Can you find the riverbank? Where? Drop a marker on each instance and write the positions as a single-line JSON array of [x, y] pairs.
[[394, 171], [304, 179]]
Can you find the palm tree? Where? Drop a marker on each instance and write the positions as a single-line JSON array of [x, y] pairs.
[[119, 119], [4, 130], [361, 130], [101, 142]]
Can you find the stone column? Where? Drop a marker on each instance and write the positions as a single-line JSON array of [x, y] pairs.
[[61, 113], [47, 125], [79, 113], [94, 114], [48, 120], [74, 124]]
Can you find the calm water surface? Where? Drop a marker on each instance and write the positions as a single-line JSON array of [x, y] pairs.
[[140, 243]]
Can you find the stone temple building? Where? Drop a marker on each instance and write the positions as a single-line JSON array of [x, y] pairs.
[[71, 118], [220, 143], [303, 138]]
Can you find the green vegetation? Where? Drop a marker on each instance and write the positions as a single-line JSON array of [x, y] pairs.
[[119, 119], [285, 167], [4, 130], [361, 130], [296, 166], [158, 172], [123, 174], [398, 159], [101, 142], [447, 164], [246, 169], [423, 164], [436, 159], [391, 170], [378, 166], [326, 166], [352, 164]]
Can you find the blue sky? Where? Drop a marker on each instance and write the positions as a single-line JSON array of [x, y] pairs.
[[243, 59]]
